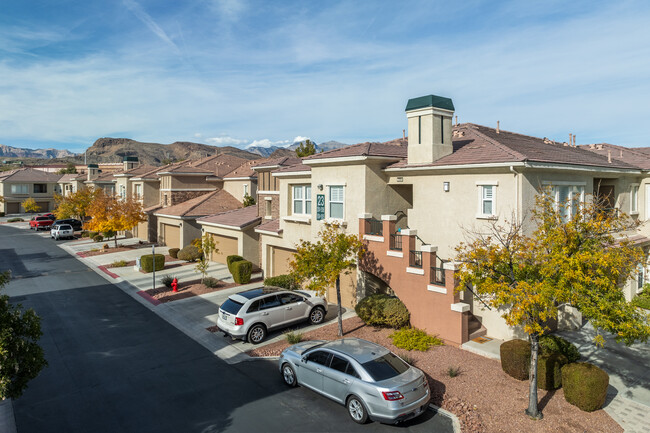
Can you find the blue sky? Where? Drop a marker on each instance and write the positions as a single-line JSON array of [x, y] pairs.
[[241, 72]]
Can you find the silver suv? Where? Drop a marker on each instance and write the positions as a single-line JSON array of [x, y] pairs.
[[370, 380], [249, 315], [60, 231]]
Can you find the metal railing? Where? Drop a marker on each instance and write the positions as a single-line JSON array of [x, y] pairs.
[[415, 259], [438, 275], [374, 227], [395, 242]]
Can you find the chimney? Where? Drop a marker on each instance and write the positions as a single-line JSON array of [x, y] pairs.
[[403, 134], [574, 139], [429, 124], [570, 139], [609, 155], [497, 126], [93, 172], [620, 153], [456, 120], [130, 162]]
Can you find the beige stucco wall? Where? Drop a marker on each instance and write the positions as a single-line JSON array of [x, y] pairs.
[[247, 240], [236, 188], [189, 229], [185, 182]]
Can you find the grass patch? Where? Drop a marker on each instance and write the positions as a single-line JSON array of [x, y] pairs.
[[120, 263], [642, 300], [414, 339], [293, 337]]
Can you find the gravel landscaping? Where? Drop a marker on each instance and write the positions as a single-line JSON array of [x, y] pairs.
[[482, 396], [188, 289]]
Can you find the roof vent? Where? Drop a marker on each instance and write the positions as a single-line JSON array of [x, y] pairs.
[[497, 126]]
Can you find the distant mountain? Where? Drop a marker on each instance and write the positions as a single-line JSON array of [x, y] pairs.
[[267, 151], [18, 152], [115, 149]]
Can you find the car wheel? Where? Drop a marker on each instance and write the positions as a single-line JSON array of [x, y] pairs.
[[316, 316], [357, 410], [289, 375], [256, 334]]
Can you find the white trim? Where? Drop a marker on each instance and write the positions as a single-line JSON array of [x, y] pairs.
[[186, 189], [416, 271], [268, 192], [343, 159], [264, 232], [268, 198], [408, 232], [437, 289], [454, 167], [365, 216], [487, 183], [395, 254], [428, 248], [460, 307], [261, 167], [635, 202], [571, 167], [373, 238], [481, 199], [451, 266], [339, 221], [292, 174], [174, 173], [237, 178], [563, 183], [174, 217], [303, 200], [423, 111], [328, 205], [221, 226], [298, 218], [389, 217]]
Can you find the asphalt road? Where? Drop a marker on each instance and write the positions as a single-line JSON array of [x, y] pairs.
[[115, 366]]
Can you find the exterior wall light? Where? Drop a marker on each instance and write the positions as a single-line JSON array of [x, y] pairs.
[[320, 186], [445, 186]]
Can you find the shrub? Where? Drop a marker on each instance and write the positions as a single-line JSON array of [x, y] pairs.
[[189, 253], [15, 220], [119, 263], [211, 282], [515, 358], [585, 385], [642, 300], [147, 262], [383, 310], [293, 337], [453, 371], [241, 271], [396, 315], [84, 234], [167, 280], [231, 259], [98, 238], [105, 246], [109, 234], [2, 214], [549, 344], [173, 252], [549, 371], [414, 339], [284, 281]]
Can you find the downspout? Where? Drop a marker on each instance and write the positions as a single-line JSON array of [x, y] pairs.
[[516, 173]]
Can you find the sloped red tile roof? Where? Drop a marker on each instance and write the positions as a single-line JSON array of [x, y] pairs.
[[206, 204], [272, 162], [29, 175], [292, 168], [246, 169], [637, 156], [235, 218], [139, 170], [270, 226], [393, 148]]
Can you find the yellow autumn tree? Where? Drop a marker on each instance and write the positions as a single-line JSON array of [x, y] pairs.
[[75, 205], [110, 215], [29, 204], [575, 259], [318, 265]]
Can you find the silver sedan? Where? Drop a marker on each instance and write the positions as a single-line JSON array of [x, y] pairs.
[[370, 380]]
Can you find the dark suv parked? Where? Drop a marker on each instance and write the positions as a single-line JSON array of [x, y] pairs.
[[76, 224]]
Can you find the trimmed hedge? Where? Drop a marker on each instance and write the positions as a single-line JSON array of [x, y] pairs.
[[242, 271], [284, 281], [189, 253], [549, 370], [585, 385], [147, 262], [232, 259], [515, 358], [549, 344], [98, 238], [383, 310], [173, 252]]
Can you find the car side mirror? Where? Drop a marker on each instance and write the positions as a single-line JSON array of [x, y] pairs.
[[303, 359]]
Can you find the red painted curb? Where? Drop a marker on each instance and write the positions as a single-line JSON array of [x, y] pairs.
[[109, 273], [149, 298], [81, 254]]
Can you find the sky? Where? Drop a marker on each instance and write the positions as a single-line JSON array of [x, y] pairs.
[[230, 72]]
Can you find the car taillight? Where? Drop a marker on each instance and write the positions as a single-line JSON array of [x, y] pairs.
[[239, 321], [392, 395]]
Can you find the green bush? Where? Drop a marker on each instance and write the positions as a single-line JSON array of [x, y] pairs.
[[210, 282], [549, 344], [167, 280], [189, 253], [241, 271], [147, 262], [414, 339], [97, 238], [549, 370], [515, 358], [119, 263], [232, 259], [284, 281], [173, 252], [293, 337], [15, 220], [585, 385], [383, 310], [642, 300]]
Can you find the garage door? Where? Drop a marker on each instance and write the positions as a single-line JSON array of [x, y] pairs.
[[227, 246], [171, 236], [43, 206], [280, 260], [142, 231], [12, 208]]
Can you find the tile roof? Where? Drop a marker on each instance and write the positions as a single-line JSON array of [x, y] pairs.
[[476, 144], [68, 177], [104, 178], [153, 208], [29, 175], [637, 156], [292, 168], [206, 204], [237, 218], [392, 149], [246, 169], [282, 161], [270, 226], [139, 170]]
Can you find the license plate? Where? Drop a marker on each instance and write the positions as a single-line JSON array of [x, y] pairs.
[[224, 317]]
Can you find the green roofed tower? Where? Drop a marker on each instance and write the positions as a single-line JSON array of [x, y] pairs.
[[429, 128]]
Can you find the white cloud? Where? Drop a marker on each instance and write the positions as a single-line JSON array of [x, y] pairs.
[[148, 21], [225, 141], [299, 139], [265, 142]]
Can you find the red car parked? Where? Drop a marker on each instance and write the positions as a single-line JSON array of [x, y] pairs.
[[40, 222]]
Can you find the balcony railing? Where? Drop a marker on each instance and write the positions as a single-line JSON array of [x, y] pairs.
[[438, 272], [415, 259], [374, 227], [395, 242]]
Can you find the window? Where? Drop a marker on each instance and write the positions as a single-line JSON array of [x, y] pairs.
[[385, 367], [338, 364], [568, 199], [336, 202], [245, 190], [22, 188], [634, 199], [290, 298], [302, 200], [270, 302], [122, 191], [267, 208], [319, 357], [487, 192], [40, 188], [138, 191]]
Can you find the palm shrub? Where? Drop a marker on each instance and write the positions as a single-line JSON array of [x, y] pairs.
[[241, 271], [515, 358], [147, 262], [585, 385], [293, 337], [549, 370], [210, 282]]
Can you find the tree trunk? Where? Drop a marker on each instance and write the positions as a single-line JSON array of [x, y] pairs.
[[338, 301], [115, 239], [532, 410]]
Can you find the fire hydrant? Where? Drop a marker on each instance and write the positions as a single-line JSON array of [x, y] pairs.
[[175, 285]]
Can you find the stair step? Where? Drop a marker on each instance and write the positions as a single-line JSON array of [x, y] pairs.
[[481, 332]]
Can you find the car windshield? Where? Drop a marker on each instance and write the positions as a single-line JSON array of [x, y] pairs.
[[385, 367], [65, 227], [231, 306]]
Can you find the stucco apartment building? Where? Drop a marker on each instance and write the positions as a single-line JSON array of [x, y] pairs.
[[20, 184], [413, 200]]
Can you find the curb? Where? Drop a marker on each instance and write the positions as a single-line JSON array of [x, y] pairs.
[[454, 419]]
